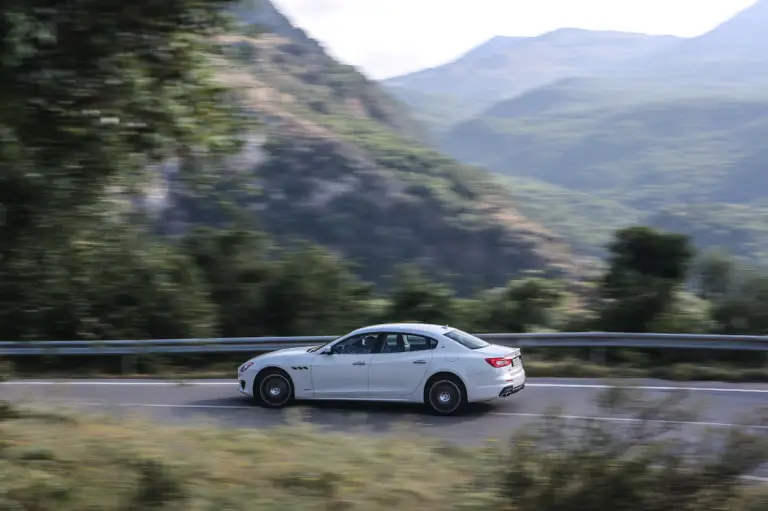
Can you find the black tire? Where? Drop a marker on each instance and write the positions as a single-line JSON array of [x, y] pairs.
[[445, 395], [273, 388]]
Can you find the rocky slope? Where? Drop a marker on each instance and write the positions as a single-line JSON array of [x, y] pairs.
[[339, 162]]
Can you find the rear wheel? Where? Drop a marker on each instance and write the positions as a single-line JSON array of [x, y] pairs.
[[273, 388], [445, 395]]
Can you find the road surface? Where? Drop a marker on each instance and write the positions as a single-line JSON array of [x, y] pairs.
[[726, 404], [723, 404]]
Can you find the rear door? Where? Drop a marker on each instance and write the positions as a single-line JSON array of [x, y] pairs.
[[400, 365]]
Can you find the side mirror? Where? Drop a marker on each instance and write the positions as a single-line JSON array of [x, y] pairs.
[[327, 351]]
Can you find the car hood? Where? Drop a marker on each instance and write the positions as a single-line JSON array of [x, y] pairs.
[[289, 351], [285, 352]]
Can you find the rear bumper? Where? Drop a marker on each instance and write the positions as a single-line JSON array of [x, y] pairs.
[[511, 389], [500, 389]]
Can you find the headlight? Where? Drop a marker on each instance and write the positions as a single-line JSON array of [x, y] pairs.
[[244, 367]]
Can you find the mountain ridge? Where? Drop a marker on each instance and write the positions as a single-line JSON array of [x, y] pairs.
[[503, 68], [684, 131]]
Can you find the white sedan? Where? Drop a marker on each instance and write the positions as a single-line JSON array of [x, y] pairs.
[[441, 367]]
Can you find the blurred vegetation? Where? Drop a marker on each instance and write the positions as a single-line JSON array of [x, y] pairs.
[[340, 156], [235, 283], [55, 460], [357, 223]]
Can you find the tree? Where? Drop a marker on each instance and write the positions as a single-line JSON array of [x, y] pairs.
[[645, 268], [744, 310], [415, 298], [520, 305], [93, 92], [714, 275], [313, 292], [236, 271], [91, 95], [108, 282]]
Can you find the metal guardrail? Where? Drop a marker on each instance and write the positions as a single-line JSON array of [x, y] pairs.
[[264, 344]]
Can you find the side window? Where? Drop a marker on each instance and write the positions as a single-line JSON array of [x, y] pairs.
[[392, 343], [356, 345], [419, 343]]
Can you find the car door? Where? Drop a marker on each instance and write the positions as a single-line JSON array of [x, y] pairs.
[[400, 365], [344, 372]]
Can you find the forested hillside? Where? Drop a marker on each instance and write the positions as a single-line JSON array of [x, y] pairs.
[[341, 165], [171, 173]]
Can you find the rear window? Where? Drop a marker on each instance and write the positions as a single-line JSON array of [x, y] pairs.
[[466, 340]]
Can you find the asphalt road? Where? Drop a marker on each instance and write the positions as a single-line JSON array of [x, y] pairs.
[[217, 401]]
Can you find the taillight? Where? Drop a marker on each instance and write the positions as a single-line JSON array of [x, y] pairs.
[[498, 362]]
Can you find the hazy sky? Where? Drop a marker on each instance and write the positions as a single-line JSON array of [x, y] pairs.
[[390, 37]]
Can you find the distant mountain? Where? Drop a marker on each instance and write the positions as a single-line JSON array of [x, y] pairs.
[[676, 139], [743, 36], [651, 151], [338, 162], [504, 67], [733, 53]]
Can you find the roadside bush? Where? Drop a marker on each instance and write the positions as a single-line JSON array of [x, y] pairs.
[[650, 462], [5, 370]]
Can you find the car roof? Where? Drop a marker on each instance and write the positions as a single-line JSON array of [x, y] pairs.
[[416, 328]]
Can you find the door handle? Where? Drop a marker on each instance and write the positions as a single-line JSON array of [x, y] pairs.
[[358, 363], [420, 362]]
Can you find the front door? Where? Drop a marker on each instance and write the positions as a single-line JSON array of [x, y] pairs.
[[344, 372]]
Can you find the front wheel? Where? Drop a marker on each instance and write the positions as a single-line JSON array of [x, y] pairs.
[[446, 396], [273, 389]]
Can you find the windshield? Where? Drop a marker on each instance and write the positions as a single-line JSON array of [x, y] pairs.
[[466, 340], [315, 348]]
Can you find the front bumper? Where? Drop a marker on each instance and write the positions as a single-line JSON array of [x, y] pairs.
[[242, 386]]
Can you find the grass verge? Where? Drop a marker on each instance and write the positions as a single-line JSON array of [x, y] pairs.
[[71, 462]]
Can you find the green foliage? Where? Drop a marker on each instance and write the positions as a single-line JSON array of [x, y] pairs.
[[522, 304], [107, 282], [236, 272], [94, 92], [744, 310], [645, 269], [651, 464], [416, 299], [714, 275], [686, 314], [92, 95], [312, 290]]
